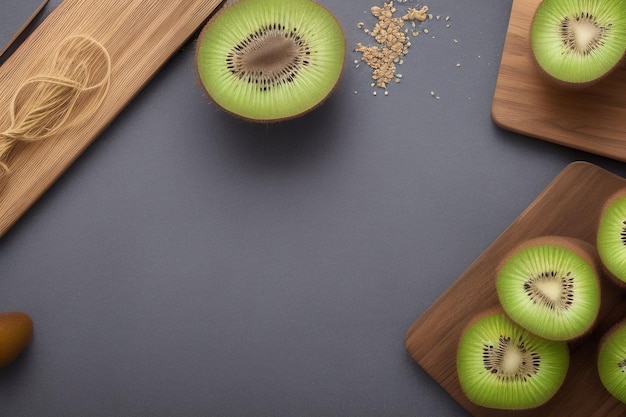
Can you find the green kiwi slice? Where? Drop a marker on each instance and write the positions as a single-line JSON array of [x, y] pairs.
[[611, 237], [550, 285], [270, 60], [502, 365], [612, 361], [578, 42]]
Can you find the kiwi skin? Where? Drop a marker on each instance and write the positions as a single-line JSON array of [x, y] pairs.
[[563, 81], [267, 120], [16, 333], [500, 393], [615, 274], [584, 250]]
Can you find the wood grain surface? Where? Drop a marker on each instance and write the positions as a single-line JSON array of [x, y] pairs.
[[569, 206], [139, 35], [593, 119]]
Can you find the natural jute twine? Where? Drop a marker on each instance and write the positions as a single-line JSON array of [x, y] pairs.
[[69, 90]]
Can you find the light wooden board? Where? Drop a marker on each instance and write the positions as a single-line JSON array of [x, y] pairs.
[[139, 35], [593, 120], [15, 16], [570, 206]]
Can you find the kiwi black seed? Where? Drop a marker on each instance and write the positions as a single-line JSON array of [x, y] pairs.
[[502, 365], [550, 285], [611, 237], [578, 42], [271, 60], [612, 361]]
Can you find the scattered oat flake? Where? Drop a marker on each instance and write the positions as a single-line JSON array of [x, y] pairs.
[[392, 42], [414, 14]]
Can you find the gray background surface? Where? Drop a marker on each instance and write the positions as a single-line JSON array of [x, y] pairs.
[[192, 264], [15, 15]]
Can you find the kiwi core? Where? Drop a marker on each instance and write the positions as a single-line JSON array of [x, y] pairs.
[[582, 33], [551, 290], [509, 360], [269, 57]]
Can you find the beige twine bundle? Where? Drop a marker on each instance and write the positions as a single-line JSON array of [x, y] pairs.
[[70, 89]]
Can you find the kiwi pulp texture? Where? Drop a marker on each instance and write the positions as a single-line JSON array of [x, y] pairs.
[[612, 361], [579, 41], [611, 239], [550, 286], [501, 365], [271, 60]]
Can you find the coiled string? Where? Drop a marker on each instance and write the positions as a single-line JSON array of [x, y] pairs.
[[68, 91]]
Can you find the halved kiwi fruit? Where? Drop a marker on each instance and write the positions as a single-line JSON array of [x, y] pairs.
[[611, 237], [550, 285], [578, 42], [612, 361], [270, 60], [502, 365]]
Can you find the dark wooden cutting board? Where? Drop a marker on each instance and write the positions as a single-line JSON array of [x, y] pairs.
[[569, 206], [593, 120]]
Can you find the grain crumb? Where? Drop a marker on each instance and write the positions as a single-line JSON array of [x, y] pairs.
[[392, 41], [414, 14]]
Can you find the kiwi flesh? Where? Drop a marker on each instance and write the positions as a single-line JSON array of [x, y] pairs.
[[270, 60], [502, 365], [611, 361], [578, 42], [611, 237], [550, 285]]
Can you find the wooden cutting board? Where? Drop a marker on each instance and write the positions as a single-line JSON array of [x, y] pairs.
[[139, 35], [570, 205], [593, 120]]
